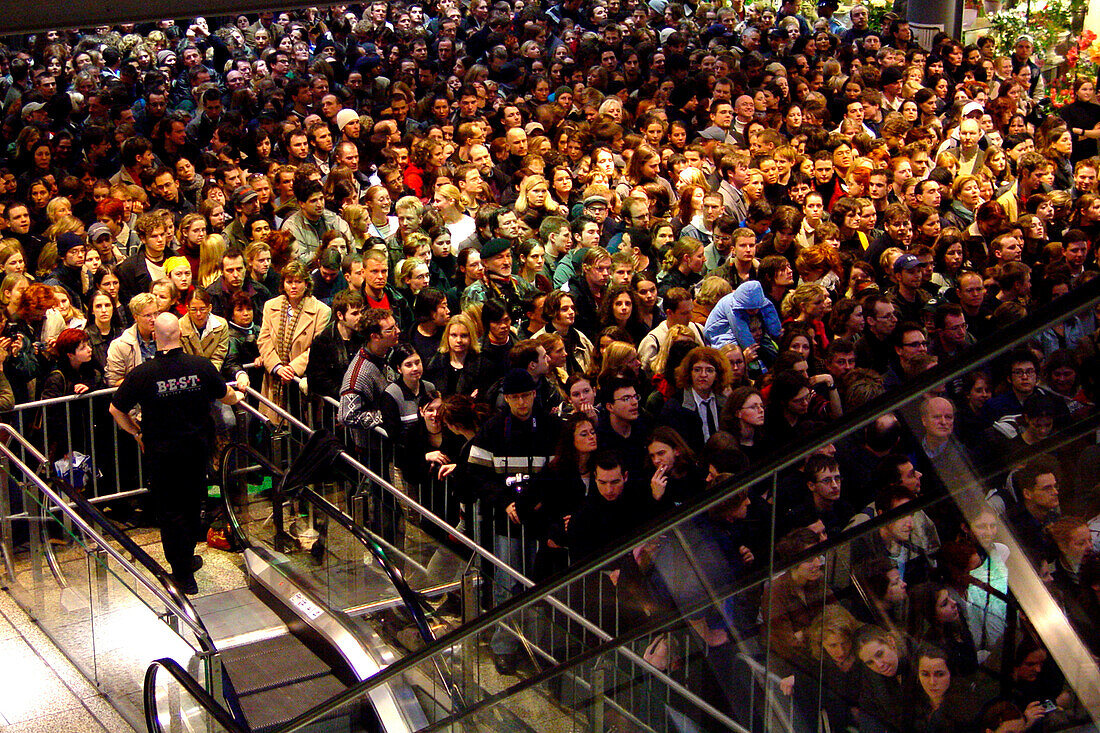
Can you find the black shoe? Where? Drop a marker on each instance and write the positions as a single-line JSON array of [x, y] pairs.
[[186, 584], [504, 663], [196, 563]]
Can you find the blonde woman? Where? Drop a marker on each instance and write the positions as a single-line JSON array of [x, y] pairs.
[[675, 333], [358, 219], [712, 289], [65, 308], [210, 260], [447, 200], [458, 367], [191, 234], [534, 195], [58, 207], [11, 258], [808, 303]]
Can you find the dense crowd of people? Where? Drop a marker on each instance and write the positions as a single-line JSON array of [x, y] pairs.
[[583, 260]]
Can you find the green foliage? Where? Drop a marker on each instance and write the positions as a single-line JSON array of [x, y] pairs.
[[1049, 23]]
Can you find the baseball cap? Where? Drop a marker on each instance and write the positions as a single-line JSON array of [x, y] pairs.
[[532, 126], [972, 107], [906, 262], [31, 107], [595, 199], [97, 230], [243, 195]]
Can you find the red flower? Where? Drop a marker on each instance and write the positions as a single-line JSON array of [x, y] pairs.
[[1071, 55]]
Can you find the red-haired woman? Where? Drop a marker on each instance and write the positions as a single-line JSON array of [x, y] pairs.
[[75, 373]]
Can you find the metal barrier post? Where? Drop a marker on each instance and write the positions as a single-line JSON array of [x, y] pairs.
[[468, 662], [7, 542], [599, 685], [471, 582], [34, 531]]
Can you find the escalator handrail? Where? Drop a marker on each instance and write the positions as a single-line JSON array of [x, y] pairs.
[[413, 603], [1076, 301], [141, 556], [185, 611], [194, 689]]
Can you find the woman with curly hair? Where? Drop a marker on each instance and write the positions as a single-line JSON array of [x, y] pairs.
[[702, 378], [820, 264], [428, 156], [617, 309]]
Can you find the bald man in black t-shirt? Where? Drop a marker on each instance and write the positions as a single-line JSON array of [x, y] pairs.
[[175, 391]]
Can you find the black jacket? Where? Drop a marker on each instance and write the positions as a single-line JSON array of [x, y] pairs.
[[221, 306], [475, 374], [329, 356], [133, 276], [505, 455]]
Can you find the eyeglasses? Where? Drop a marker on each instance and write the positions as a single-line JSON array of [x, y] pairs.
[[922, 344], [627, 398], [1024, 372]]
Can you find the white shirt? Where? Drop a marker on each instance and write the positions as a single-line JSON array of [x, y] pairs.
[[702, 406]]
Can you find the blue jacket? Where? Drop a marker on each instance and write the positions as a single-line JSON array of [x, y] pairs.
[[729, 321]]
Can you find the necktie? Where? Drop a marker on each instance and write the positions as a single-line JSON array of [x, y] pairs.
[[711, 429]]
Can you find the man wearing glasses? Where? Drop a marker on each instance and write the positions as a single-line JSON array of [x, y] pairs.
[[1021, 372], [365, 380], [622, 428]]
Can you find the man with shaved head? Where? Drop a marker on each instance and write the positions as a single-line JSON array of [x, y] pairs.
[[175, 392]]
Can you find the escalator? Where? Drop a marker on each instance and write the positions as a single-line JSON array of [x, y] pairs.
[[352, 607], [322, 597]]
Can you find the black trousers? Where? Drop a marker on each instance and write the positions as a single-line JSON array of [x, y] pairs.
[[177, 481]]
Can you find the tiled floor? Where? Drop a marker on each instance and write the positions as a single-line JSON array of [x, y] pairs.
[[40, 691]]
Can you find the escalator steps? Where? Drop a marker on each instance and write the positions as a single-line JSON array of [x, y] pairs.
[[271, 663], [271, 708]]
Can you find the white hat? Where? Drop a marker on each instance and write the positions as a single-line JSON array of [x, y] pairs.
[[30, 108], [971, 108], [344, 116]]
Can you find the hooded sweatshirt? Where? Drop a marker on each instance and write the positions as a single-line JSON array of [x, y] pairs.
[[729, 320]]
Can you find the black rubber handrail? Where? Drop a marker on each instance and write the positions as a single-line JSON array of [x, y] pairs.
[[194, 689]]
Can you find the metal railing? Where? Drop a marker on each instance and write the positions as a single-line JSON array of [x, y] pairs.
[[1077, 301], [470, 544], [206, 703], [39, 422], [174, 601]]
